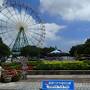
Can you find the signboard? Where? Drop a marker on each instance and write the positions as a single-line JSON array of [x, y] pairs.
[[57, 85]]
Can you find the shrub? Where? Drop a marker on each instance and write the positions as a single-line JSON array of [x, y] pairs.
[[13, 65], [61, 65], [16, 78], [6, 79], [50, 65]]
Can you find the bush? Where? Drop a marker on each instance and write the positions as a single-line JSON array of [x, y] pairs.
[[10, 75], [50, 65], [6, 79], [12, 65], [61, 65], [16, 77]]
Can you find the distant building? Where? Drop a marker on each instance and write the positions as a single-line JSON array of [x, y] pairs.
[[59, 55], [56, 52]]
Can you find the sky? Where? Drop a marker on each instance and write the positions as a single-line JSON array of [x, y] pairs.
[[67, 22]]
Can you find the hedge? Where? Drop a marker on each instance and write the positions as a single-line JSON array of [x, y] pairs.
[[60, 65], [52, 65]]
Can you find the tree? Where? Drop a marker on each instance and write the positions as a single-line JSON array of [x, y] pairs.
[[87, 47], [4, 50], [77, 50], [87, 41], [80, 50], [33, 51], [46, 50], [30, 51], [72, 50]]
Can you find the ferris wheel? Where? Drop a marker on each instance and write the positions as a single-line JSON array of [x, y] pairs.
[[21, 26]]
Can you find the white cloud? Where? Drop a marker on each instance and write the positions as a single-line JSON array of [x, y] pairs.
[[68, 9], [12, 20], [51, 31], [52, 36], [1, 2], [19, 20], [75, 42], [65, 44]]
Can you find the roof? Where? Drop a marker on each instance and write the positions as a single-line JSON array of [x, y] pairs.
[[56, 51]]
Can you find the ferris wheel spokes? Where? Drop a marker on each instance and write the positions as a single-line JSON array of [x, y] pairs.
[[6, 32], [21, 26], [9, 18]]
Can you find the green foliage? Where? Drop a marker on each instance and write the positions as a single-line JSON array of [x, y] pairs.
[[34, 62], [47, 50], [16, 77], [12, 65], [4, 50], [87, 41], [81, 50], [53, 65], [61, 65], [5, 79], [31, 51]]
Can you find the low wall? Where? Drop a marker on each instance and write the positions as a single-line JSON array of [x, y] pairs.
[[59, 72]]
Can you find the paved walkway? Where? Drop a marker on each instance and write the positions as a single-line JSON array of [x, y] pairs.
[[36, 86], [34, 82], [20, 86]]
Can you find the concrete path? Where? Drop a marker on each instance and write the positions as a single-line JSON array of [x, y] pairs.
[[82, 82], [36, 86], [20, 86]]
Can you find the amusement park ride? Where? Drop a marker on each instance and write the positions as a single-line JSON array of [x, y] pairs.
[[20, 25]]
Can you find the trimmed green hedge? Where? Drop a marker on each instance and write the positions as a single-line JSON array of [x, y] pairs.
[[52, 65], [61, 65]]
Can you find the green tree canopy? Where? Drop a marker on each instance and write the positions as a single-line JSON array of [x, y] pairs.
[[47, 50], [87, 41], [4, 49], [79, 50], [31, 51], [34, 51]]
